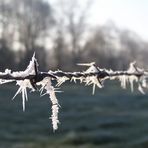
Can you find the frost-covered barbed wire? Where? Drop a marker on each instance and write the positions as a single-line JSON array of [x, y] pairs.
[[34, 79]]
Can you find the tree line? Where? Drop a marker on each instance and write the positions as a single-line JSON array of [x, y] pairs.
[[61, 36]]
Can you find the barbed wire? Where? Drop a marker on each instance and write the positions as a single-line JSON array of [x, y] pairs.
[[34, 79]]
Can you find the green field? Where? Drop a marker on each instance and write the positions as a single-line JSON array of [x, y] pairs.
[[112, 118]]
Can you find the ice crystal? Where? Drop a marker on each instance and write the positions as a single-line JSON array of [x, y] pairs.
[[29, 70], [46, 85], [23, 85], [3, 81], [61, 80], [130, 78], [93, 79], [141, 89]]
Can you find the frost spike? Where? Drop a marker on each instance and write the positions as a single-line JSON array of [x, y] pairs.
[[141, 89]]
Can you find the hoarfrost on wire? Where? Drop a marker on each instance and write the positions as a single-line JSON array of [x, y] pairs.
[[91, 76]]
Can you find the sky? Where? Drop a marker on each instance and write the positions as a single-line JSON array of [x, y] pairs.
[[130, 14], [126, 14]]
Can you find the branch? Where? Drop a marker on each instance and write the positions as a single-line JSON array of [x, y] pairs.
[[33, 79]]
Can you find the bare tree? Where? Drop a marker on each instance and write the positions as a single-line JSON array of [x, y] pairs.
[[33, 18], [59, 49], [71, 19], [27, 23], [6, 35]]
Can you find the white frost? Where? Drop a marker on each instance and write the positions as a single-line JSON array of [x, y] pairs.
[[125, 79], [3, 81], [61, 80], [46, 84], [23, 85], [141, 89], [29, 70], [92, 79]]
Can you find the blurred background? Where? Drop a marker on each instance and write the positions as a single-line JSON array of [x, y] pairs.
[[63, 33]]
